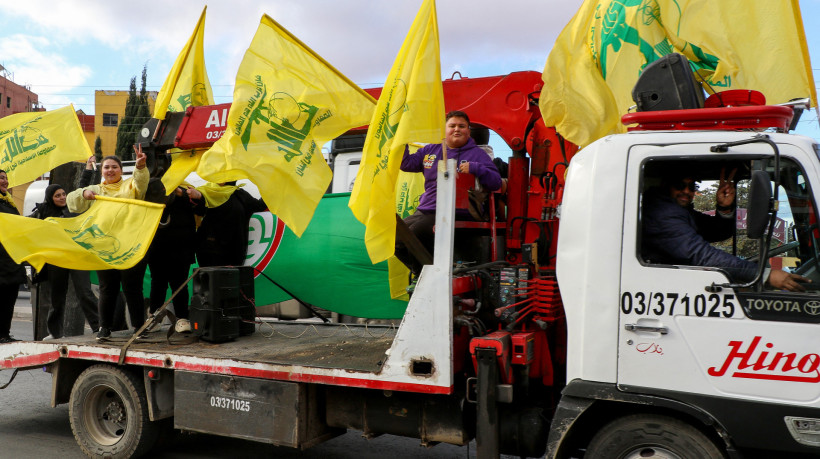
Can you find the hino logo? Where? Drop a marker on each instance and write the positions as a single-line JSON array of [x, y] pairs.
[[812, 308], [757, 363]]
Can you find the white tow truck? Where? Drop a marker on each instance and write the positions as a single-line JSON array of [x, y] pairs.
[[559, 343]]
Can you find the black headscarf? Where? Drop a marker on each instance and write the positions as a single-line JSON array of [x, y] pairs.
[[47, 208]]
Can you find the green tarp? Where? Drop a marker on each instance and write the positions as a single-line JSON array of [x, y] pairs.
[[327, 267]]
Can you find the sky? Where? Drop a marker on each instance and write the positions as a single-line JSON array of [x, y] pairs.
[[68, 49]]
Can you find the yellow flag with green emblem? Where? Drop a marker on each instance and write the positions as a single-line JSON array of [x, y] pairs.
[[113, 234], [409, 188], [33, 143], [186, 85], [287, 103], [597, 58], [410, 109]]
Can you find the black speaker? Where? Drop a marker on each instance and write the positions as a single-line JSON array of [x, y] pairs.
[[668, 84], [214, 311], [246, 307]]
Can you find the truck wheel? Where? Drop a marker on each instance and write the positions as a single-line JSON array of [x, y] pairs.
[[109, 414], [652, 436]]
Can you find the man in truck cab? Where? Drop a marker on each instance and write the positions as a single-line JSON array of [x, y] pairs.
[[675, 233]]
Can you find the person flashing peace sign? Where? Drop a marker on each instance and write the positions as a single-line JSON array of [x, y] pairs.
[[81, 200]]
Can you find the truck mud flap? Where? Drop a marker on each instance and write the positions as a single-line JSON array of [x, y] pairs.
[[276, 412]]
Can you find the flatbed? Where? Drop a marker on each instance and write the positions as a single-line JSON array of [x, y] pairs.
[[308, 346]]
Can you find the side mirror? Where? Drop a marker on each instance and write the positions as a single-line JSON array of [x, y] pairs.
[[757, 212]]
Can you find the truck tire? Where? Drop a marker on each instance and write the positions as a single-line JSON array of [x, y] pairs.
[[109, 414], [651, 436]]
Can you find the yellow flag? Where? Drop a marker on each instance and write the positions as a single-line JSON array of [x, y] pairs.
[[409, 188], [183, 162], [186, 85], [408, 191], [287, 103], [113, 234], [33, 143], [731, 44], [410, 109]]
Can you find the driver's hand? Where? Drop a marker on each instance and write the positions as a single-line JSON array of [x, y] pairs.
[[782, 280]]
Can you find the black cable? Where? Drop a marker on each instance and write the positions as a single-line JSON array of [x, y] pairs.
[[547, 238], [563, 148], [479, 267], [522, 230], [10, 380], [309, 307], [560, 163], [552, 181]]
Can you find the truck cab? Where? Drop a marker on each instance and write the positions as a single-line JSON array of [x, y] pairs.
[[653, 344]]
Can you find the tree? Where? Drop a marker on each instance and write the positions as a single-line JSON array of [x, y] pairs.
[[98, 153], [125, 131], [705, 201], [136, 114], [143, 112]]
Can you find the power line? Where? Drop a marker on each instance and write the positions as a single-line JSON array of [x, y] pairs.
[[111, 86]]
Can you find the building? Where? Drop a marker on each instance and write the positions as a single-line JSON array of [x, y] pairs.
[[109, 107], [15, 98], [87, 124]]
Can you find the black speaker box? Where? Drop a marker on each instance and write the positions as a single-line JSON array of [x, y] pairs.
[[219, 304], [668, 84], [211, 324], [246, 309]]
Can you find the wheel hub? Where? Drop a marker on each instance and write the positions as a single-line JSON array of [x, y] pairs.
[[114, 412], [107, 417]]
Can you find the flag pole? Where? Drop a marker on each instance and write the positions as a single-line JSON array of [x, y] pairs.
[[444, 158]]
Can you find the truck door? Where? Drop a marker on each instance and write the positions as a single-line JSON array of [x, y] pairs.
[[678, 335]]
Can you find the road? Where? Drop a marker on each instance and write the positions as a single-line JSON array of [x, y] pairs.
[[30, 428]]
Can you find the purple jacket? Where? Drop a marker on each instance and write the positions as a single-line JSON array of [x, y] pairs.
[[426, 160]]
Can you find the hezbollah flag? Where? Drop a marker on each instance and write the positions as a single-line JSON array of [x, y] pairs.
[[409, 188], [410, 109], [185, 86], [287, 103], [187, 83], [113, 234], [599, 55], [35, 142]]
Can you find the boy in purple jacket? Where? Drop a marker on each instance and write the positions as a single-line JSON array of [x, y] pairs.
[[470, 159]]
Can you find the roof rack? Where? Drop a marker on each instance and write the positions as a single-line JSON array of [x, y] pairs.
[[722, 118]]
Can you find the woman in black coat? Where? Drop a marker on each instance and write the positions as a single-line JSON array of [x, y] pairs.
[[11, 274], [54, 206], [172, 249], [222, 237]]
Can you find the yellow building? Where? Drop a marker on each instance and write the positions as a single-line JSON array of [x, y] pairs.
[[109, 109]]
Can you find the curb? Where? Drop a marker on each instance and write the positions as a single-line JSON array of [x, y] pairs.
[[22, 312], [22, 309]]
